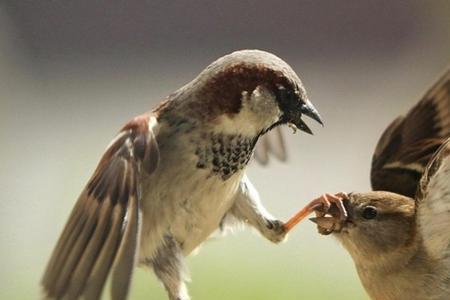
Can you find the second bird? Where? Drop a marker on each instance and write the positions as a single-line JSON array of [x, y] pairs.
[[399, 234]]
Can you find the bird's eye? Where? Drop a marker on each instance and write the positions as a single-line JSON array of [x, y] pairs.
[[285, 93], [369, 212]]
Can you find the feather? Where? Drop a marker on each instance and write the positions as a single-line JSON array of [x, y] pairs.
[[433, 204], [103, 228], [408, 143]]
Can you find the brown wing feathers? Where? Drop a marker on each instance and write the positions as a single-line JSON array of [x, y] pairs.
[[101, 236], [408, 143], [126, 255]]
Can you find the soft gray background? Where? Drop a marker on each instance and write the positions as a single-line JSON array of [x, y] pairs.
[[72, 72]]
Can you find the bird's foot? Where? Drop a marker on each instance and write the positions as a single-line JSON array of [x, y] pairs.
[[276, 231], [321, 206], [327, 200]]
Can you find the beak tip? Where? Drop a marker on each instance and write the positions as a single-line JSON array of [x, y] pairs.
[[317, 117], [320, 122], [310, 111], [301, 125]]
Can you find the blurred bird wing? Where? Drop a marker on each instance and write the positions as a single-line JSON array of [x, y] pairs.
[[433, 204], [408, 143], [271, 143], [102, 234]]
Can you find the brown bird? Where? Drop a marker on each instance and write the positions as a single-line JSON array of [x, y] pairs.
[[399, 234], [172, 176]]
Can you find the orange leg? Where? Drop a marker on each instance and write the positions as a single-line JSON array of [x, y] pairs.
[[321, 205]]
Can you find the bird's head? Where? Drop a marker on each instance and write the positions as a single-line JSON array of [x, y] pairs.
[[249, 92], [379, 225]]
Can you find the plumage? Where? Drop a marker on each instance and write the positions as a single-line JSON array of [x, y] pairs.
[[103, 228], [433, 206], [408, 143], [173, 176]]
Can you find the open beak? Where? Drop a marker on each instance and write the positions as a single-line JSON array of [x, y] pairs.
[[309, 110]]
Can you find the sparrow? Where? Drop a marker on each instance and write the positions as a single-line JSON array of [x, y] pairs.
[[399, 234], [174, 175]]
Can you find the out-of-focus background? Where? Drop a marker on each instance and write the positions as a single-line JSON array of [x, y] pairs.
[[72, 72]]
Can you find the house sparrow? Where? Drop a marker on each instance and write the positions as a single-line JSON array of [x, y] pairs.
[[398, 235], [172, 176]]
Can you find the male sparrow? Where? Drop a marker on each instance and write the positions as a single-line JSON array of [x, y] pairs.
[[171, 177], [399, 234]]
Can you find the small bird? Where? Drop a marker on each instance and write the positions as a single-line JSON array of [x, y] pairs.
[[399, 234], [172, 176]]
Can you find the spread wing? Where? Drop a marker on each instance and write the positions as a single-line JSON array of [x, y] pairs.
[[433, 204], [271, 143], [407, 145], [101, 237]]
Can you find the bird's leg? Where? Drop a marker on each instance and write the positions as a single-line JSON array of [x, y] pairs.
[[168, 265], [250, 211], [321, 206]]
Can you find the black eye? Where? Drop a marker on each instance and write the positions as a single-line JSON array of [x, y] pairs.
[[285, 93], [369, 212]]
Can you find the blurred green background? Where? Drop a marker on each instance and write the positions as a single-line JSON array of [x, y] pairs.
[[72, 72]]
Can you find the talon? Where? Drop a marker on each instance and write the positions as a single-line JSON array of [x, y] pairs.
[[337, 199], [343, 195], [321, 207]]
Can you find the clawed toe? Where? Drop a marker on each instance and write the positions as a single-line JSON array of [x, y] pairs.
[[322, 206]]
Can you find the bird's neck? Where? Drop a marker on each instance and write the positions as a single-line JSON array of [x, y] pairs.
[[393, 275], [385, 262]]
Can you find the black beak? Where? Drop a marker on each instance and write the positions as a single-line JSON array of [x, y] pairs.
[[300, 124], [309, 110]]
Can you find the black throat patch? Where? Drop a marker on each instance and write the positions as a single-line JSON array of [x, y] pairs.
[[224, 155]]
